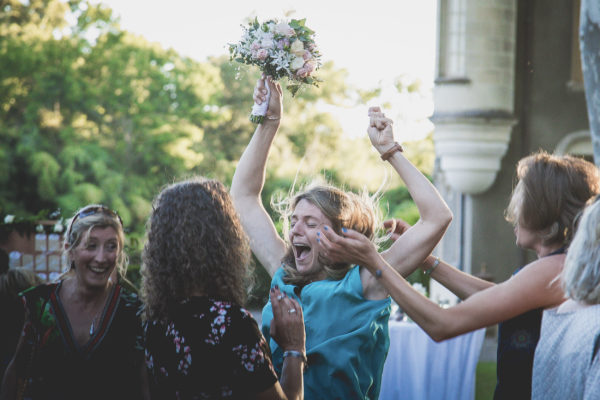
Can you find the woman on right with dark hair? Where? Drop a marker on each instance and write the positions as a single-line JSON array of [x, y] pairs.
[[567, 360], [550, 192]]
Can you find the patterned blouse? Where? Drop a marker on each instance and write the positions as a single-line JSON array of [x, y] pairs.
[[106, 367], [209, 349]]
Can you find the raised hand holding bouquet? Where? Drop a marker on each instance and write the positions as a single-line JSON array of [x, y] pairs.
[[279, 49]]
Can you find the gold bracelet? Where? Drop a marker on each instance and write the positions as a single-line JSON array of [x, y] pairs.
[[396, 147]]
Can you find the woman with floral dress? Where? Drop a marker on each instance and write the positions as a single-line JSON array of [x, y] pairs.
[[200, 341]]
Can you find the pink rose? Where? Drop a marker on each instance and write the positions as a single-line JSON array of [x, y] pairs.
[[310, 66], [307, 56], [302, 73], [262, 54]]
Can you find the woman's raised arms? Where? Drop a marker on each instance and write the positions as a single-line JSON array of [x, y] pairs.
[[249, 179]]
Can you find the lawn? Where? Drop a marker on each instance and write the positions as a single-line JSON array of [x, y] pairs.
[[485, 380]]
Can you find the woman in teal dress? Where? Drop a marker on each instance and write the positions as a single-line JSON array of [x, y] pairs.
[[346, 309]]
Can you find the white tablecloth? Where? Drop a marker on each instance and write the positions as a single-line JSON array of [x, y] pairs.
[[417, 368]]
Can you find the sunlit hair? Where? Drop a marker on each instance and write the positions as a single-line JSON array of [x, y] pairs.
[[581, 274], [195, 244], [79, 229], [16, 280], [344, 209], [550, 192]]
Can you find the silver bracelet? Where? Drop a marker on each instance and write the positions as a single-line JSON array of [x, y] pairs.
[[298, 354], [434, 266]]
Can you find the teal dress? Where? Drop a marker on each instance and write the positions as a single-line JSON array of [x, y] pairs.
[[347, 337]]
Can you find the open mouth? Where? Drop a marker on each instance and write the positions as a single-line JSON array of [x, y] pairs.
[[301, 251]]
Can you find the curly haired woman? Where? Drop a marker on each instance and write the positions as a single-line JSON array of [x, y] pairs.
[[200, 342]]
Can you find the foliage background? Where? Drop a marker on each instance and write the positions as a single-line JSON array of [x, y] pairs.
[[90, 113]]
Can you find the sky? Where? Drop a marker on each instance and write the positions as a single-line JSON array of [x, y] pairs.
[[375, 41]]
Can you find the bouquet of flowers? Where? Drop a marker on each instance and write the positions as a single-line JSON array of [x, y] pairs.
[[280, 49]]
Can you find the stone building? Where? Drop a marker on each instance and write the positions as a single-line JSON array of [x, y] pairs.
[[508, 83]]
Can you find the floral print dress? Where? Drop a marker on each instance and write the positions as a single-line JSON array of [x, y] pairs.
[[209, 349]]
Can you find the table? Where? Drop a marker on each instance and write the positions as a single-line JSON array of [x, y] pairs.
[[417, 368]]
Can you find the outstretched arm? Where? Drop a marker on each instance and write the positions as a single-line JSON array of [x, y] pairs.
[[458, 282], [534, 287], [407, 252], [249, 178], [461, 284]]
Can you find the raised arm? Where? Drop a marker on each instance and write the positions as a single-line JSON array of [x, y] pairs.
[[407, 252], [534, 287], [249, 179]]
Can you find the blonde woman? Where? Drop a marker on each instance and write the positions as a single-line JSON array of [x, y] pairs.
[[82, 335], [346, 308]]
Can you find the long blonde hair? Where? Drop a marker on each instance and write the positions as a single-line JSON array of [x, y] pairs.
[[83, 221], [345, 209]]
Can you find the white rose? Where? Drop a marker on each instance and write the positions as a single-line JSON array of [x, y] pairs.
[[267, 43], [39, 228], [9, 219], [58, 227], [283, 29], [297, 63], [297, 48]]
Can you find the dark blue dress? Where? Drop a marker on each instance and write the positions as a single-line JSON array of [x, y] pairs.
[[517, 339]]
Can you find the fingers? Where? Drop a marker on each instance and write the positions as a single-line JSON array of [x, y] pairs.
[[282, 304], [373, 110], [260, 90], [389, 224], [381, 122], [275, 296], [297, 307]]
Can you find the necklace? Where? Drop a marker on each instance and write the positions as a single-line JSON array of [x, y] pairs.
[[92, 329]]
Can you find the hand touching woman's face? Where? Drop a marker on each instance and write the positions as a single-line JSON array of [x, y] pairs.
[[306, 220]]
